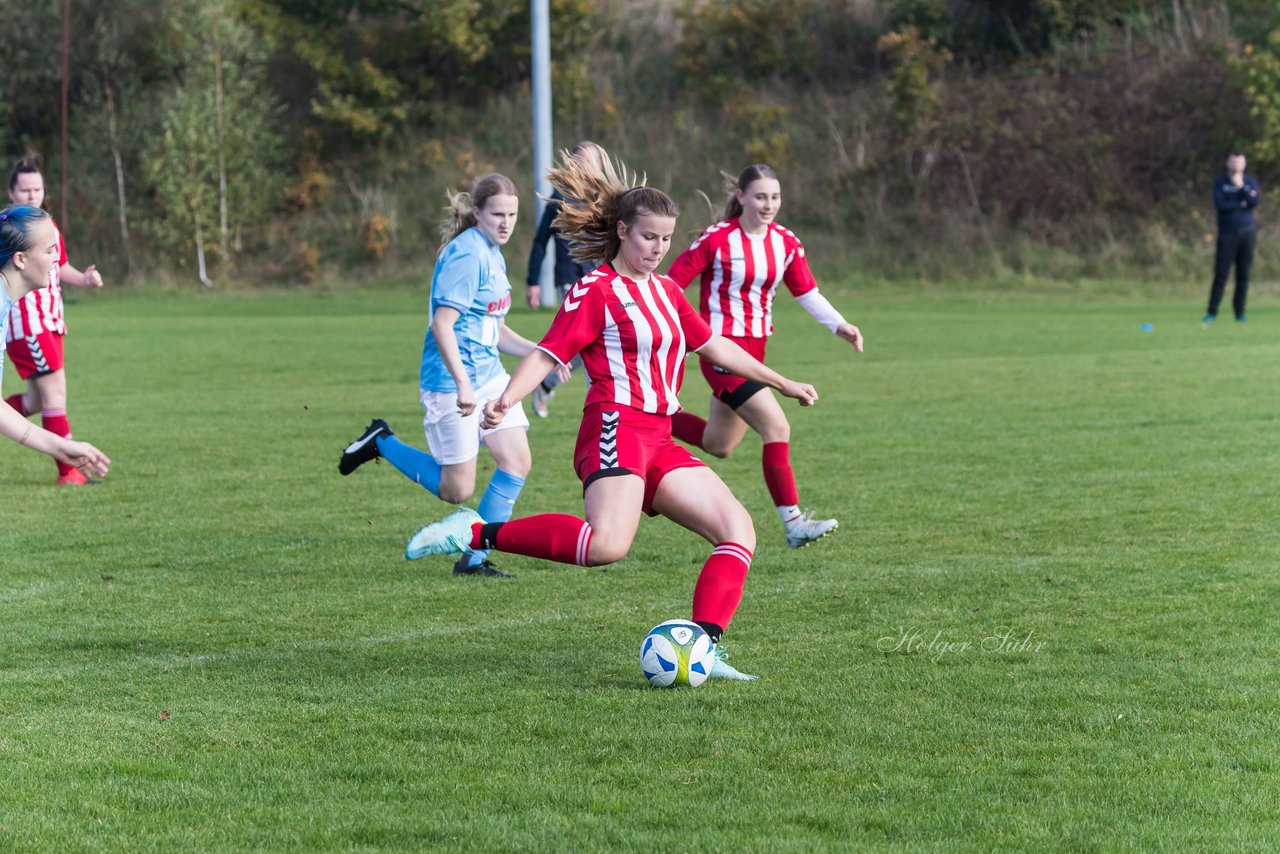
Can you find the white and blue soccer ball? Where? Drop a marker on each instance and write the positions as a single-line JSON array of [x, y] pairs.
[[677, 652]]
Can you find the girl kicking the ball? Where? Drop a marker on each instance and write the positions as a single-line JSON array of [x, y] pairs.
[[461, 368], [29, 251], [741, 261], [632, 328]]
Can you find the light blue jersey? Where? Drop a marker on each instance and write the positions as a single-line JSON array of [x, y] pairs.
[[5, 305], [470, 276]]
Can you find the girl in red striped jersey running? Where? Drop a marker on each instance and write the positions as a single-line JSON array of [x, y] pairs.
[[37, 328], [740, 262], [632, 328]]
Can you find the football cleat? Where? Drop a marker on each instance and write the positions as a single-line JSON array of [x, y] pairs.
[[722, 669], [804, 529], [541, 397], [75, 477], [364, 448], [1208, 318], [450, 536], [484, 567]]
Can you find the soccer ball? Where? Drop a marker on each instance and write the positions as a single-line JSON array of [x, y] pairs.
[[677, 652]]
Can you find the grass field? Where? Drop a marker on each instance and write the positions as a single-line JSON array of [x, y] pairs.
[[1048, 619]]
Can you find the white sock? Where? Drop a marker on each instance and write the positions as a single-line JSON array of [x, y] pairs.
[[789, 513]]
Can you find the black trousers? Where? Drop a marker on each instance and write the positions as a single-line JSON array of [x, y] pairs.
[[1233, 249]]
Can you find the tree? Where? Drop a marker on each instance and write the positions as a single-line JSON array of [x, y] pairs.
[[1257, 69], [217, 158]]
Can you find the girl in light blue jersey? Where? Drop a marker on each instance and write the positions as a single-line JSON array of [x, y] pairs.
[[28, 250], [461, 368]]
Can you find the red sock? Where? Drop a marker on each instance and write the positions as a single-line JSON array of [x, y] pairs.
[[15, 401], [778, 475], [55, 421], [550, 536], [719, 588], [688, 428]]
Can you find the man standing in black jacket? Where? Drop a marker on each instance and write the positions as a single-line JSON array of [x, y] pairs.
[[1235, 195], [568, 270]]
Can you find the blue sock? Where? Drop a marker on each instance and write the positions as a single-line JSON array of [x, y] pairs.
[[419, 466], [497, 503]]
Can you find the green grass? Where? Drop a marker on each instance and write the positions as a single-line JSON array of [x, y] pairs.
[[1028, 465]]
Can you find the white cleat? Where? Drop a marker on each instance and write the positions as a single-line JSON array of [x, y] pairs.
[[805, 529], [542, 397], [450, 536], [722, 669]]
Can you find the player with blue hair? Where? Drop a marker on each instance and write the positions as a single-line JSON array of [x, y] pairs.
[[28, 252]]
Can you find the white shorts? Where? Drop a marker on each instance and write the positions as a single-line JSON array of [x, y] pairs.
[[454, 438]]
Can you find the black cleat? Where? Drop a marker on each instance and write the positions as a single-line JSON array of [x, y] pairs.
[[485, 568], [364, 448]]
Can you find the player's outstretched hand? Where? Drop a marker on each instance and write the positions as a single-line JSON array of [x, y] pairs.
[[494, 411], [563, 373], [852, 334], [83, 456], [92, 278], [803, 392]]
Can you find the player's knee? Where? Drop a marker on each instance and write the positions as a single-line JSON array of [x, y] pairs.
[[736, 527], [776, 431], [717, 446], [606, 549], [455, 493], [520, 467]]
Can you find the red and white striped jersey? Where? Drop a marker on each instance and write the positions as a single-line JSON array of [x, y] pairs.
[[633, 337], [41, 310], [741, 273]]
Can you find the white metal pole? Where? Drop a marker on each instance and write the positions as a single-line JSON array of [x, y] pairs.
[[542, 153]]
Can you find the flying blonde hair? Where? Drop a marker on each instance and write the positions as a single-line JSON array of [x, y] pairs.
[[598, 193], [460, 213]]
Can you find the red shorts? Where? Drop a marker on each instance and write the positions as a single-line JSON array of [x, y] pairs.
[[731, 388], [617, 440], [36, 356]]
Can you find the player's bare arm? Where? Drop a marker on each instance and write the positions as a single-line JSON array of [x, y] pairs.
[[447, 342], [724, 353], [527, 374], [90, 278]]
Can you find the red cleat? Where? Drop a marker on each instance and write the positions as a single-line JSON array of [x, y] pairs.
[[75, 477]]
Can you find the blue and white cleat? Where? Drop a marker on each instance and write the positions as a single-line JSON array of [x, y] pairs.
[[450, 536], [722, 669]]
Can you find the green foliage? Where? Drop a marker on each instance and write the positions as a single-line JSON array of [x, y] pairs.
[[32, 77], [368, 71], [354, 111], [762, 129], [1257, 70], [726, 43], [214, 167], [915, 62], [1013, 28], [1253, 20]]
